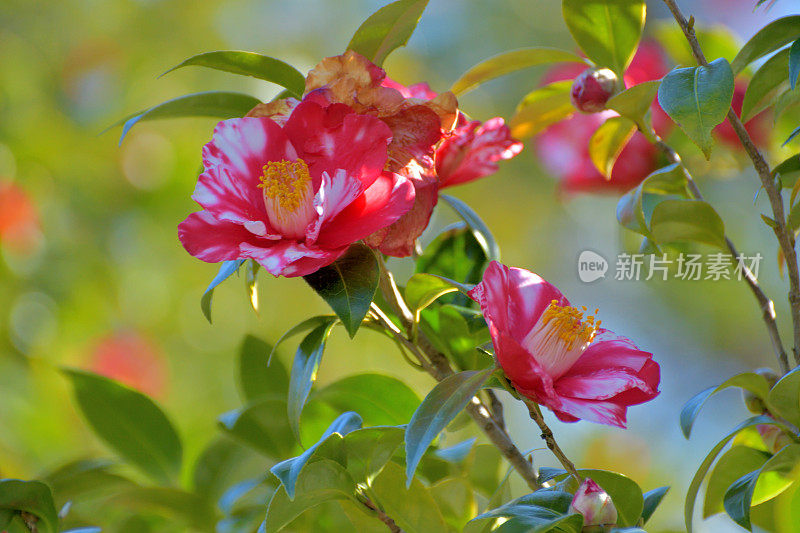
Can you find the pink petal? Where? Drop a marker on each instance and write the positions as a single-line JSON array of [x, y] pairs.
[[609, 350], [334, 137], [601, 384], [602, 412], [233, 161], [335, 193], [290, 258], [527, 376], [389, 198], [473, 150], [210, 239], [513, 299]]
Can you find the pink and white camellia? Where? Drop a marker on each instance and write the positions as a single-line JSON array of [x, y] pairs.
[[591, 501], [294, 196], [555, 356]]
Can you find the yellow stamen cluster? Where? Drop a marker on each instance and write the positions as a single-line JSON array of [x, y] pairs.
[[569, 325], [286, 182]]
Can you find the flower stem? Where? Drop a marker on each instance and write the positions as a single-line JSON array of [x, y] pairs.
[[550, 440], [382, 516], [437, 365], [784, 235], [765, 303]]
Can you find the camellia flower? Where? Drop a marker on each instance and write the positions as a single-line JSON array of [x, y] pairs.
[[563, 148], [294, 197], [19, 221], [594, 504], [433, 144], [558, 357], [131, 358]]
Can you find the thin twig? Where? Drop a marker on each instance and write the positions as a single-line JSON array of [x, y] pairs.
[[382, 516], [550, 440], [437, 365], [765, 303], [784, 235], [497, 409]]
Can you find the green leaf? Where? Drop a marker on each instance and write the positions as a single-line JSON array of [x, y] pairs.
[[652, 499], [226, 270], [439, 407], [794, 63], [784, 398], [387, 29], [774, 35], [321, 481], [304, 372], [414, 508], [32, 497], [733, 464], [543, 503], [624, 492], [608, 31], [698, 99], [762, 87], [75, 480], [716, 41], [217, 104], [750, 381], [129, 422], [787, 167], [702, 470], [348, 285], [369, 449], [257, 379], [457, 255], [634, 103], [250, 64], [262, 426], [793, 219], [287, 471], [187, 507], [305, 325], [631, 208], [479, 229], [607, 143], [381, 400], [221, 464], [424, 289], [541, 108], [456, 501], [739, 496], [251, 282], [792, 135], [687, 221], [457, 331], [511, 61]]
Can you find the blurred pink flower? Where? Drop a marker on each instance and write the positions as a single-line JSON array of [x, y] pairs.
[[130, 358], [558, 358], [19, 221]]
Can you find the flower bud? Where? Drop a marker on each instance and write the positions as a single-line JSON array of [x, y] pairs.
[[774, 438], [753, 403], [592, 89], [594, 504]]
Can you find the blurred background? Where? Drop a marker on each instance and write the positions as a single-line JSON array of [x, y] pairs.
[[92, 274]]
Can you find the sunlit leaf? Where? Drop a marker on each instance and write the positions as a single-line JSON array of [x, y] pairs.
[[411, 506], [387, 29], [297, 329], [687, 221], [541, 108], [634, 103], [608, 141], [771, 37], [455, 254], [380, 400], [633, 210], [511, 61], [698, 99], [733, 464], [766, 80], [784, 397], [652, 499]]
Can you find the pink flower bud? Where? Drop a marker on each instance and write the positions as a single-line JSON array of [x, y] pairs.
[[594, 504], [592, 89], [774, 438]]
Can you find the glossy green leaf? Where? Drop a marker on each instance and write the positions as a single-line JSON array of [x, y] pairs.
[[221, 464], [304, 372], [787, 100], [786, 168], [216, 104], [457, 255], [771, 37], [288, 470], [439, 407], [320, 482], [634, 103], [764, 84], [652, 499], [511, 61], [412, 506], [250, 64], [698, 99], [368, 450], [256, 379], [607, 143], [456, 501], [542, 107], [739, 496], [750, 381], [608, 31], [129, 422], [546, 504], [784, 398], [263, 426], [32, 497], [687, 221], [186, 507], [633, 209], [479, 229], [733, 464], [380, 400], [387, 29], [226, 270], [702, 470], [791, 136], [456, 331], [348, 285], [794, 63], [424, 289], [302, 327]]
